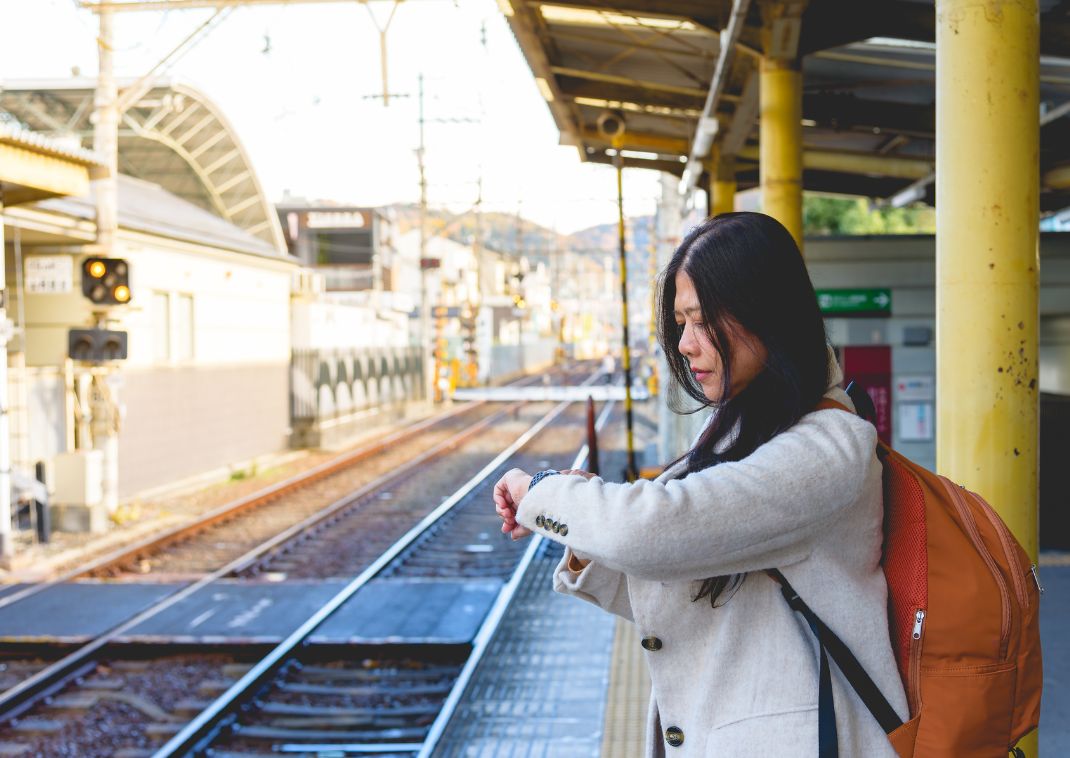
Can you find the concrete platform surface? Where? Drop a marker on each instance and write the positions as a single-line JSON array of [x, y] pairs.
[[540, 690], [384, 611], [77, 611], [1055, 639]]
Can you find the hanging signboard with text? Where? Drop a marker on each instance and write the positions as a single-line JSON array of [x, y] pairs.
[[855, 302]]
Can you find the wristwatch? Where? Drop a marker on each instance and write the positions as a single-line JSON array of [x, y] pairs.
[[540, 476]]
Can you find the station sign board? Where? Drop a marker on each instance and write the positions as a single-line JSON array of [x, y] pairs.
[[49, 274], [855, 302]]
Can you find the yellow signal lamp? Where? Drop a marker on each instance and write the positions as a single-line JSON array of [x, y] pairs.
[[97, 269], [121, 294]]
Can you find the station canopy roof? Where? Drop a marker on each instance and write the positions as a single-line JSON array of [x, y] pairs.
[[172, 135], [868, 85]]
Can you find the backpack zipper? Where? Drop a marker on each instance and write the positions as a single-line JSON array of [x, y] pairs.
[[975, 536], [1005, 538], [1036, 578], [914, 688]]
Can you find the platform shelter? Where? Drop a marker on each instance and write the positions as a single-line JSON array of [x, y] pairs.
[[957, 103]]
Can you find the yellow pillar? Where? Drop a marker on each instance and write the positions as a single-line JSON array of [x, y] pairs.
[[780, 161], [987, 261], [721, 188]]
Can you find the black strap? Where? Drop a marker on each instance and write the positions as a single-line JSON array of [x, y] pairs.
[[852, 670]]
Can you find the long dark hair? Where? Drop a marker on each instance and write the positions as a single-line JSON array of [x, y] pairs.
[[747, 272]]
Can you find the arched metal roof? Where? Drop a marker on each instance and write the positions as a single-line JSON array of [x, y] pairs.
[[173, 136]]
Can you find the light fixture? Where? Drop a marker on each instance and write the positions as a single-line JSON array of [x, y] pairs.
[[544, 89], [584, 17]]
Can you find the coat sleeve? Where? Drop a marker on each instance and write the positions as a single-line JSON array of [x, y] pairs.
[[598, 584], [764, 511]]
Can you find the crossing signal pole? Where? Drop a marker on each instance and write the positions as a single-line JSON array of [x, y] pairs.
[[611, 125]]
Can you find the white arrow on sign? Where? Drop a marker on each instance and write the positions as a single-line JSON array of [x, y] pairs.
[[882, 300]]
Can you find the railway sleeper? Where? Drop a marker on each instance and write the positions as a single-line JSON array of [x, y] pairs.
[[276, 734], [371, 715], [378, 673], [87, 699], [381, 691]]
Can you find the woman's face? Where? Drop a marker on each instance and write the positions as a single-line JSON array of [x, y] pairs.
[[745, 352]]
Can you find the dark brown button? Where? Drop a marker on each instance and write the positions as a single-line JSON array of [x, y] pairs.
[[539, 521], [653, 644], [674, 736], [564, 530]]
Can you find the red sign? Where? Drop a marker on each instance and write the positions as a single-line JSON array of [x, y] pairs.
[[426, 263], [870, 367]]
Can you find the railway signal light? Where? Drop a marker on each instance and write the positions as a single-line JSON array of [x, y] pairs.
[[106, 281], [96, 345]]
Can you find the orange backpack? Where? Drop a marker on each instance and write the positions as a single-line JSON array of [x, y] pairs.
[[963, 612]]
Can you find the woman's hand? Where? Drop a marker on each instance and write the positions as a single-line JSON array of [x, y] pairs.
[[579, 472], [508, 493]]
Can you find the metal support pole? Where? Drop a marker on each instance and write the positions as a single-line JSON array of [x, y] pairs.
[[592, 439], [6, 542], [780, 162], [721, 187], [631, 473], [106, 143], [987, 259], [430, 369]]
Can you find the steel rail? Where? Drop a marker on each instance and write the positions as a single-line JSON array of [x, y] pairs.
[[199, 732], [494, 619], [226, 511], [22, 696], [480, 645]]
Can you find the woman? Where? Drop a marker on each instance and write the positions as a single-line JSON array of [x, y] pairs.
[[769, 483]]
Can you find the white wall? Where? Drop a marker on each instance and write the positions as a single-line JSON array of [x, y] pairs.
[[240, 307], [327, 325]]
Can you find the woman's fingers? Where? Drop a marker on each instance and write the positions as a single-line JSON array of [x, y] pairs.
[[520, 532]]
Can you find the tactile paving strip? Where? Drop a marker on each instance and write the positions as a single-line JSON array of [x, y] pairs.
[[540, 691]]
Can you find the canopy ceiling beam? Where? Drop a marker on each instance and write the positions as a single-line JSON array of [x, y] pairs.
[[574, 87], [697, 13], [596, 76]]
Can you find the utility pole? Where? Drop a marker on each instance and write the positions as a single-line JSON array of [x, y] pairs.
[[104, 410], [632, 471], [425, 302]]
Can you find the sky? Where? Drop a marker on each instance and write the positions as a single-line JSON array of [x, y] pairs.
[[302, 86]]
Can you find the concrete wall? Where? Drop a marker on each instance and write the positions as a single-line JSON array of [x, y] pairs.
[[206, 383], [506, 360], [907, 266], [184, 421]]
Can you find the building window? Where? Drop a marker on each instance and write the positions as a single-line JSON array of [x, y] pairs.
[[184, 334], [161, 327]]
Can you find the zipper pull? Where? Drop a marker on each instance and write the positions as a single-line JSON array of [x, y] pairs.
[[919, 619], [1036, 577]]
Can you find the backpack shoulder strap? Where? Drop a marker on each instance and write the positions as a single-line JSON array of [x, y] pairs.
[[856, 676]]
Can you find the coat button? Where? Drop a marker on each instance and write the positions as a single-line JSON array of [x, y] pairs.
[[539, 521], [564, 530], [556, 527], [674, 736], [653, 644]]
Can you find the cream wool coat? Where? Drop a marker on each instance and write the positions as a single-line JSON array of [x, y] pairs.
[[741, 679]]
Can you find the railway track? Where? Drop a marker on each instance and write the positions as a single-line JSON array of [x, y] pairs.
[[62, 686], [395, 706]]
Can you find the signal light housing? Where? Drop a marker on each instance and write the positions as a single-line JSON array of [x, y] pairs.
[[106, 281], [96, 345]]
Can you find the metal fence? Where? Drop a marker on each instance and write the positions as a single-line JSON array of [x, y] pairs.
[[328, 384]]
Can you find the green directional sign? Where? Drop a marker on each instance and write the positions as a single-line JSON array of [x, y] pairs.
[[862, 302]]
